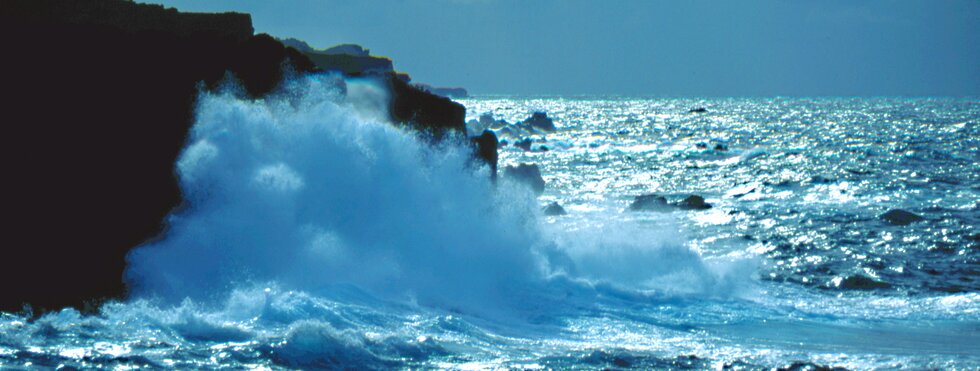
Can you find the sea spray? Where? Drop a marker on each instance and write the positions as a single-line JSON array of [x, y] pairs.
[[306, 189], [606, 288], [311, 188]]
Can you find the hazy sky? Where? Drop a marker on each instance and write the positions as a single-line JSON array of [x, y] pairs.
[[674, 48]]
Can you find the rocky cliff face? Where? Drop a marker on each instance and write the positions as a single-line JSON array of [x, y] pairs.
[[99, 98]]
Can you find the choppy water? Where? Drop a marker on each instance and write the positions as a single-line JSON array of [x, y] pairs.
[[321, 238]]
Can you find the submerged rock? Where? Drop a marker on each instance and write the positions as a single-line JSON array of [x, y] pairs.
[[900, 217], [529, 174], [554, 209]]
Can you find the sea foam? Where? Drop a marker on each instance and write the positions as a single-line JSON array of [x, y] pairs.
[[311, 187]]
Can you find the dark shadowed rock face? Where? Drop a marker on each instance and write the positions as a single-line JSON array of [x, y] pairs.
[[486, 149], [900, 217], [425, 111], [130, 16], [100, 101], [102, 93], [529, 174]]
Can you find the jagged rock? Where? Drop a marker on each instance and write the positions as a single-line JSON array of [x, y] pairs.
[[554, 209], [650, 202], [693, 202], [900, 217], [539, 120], [529, 174]]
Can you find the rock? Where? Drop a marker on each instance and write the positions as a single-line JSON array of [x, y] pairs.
[[721, 147], [554, 209], [486, 149], [693, 202], [524, 144], [348, 49], [529, 174], [100, 175], [654, 202], [698, 110], [424, 111], [540, 121], [444, 91], [900, 217], [650, 202]]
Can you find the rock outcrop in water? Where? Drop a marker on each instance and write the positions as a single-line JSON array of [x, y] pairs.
[[693, 202], [528, 174], [900, 217], [649, 202], [554, 209], [540, 121], [100, 101], [654, 202]]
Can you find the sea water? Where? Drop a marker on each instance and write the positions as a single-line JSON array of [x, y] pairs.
[[317, 235]]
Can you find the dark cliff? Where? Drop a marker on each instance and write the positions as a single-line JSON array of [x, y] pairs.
[[98, 102], [99, 98]]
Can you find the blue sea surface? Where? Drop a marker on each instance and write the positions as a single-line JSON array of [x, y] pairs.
[[318, 236]]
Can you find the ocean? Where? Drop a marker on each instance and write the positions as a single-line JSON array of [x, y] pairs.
[[316, 235]]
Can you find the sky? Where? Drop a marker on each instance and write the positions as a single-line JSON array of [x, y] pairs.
[[648, 47]]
